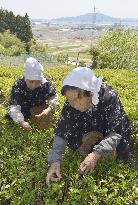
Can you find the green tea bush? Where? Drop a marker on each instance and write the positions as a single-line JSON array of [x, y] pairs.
[[23, 155], [116, 50]]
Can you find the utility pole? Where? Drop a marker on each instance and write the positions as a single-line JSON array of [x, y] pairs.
[[94, 16], [93, 23]]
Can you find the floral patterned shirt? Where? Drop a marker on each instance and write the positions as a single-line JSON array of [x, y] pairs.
[[107, 116], [26, 98]]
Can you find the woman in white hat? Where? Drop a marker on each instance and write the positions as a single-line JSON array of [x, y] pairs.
[[92, 121], [30, 93]]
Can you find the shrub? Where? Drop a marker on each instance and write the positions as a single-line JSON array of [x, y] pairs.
[[39, 47], [2, 49], [116, 50], [61, 58], [82, 63], [11, 44]]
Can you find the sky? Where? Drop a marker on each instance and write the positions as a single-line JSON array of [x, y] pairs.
[[48, 9]]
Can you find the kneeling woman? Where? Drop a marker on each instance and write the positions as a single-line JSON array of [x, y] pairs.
[[29, 95], [92, 121]]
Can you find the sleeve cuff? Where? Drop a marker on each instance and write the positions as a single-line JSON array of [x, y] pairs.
[[108, 144], [15, 113], [56, 153]]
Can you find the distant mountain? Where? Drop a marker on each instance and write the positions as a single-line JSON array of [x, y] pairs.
[[83, 19], [89, 18]]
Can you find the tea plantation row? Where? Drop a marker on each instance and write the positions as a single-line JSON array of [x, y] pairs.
[[23, 155]]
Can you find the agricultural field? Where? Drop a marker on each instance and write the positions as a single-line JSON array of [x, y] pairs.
[[23, 154], [62, 45], [68, 40]]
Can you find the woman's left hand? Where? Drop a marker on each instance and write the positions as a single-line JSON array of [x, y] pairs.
[[89, 163], [44, 113]]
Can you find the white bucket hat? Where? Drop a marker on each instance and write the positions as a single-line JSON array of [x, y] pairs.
[[33, 70], [85, 79]]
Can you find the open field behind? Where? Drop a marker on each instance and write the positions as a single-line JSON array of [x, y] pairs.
[[68, 40]]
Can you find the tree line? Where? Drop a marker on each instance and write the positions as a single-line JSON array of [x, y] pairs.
[[17, 25]]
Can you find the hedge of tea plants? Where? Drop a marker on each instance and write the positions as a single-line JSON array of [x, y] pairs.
[[23, 154]]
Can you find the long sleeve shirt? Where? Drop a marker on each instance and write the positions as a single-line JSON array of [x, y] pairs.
[[107, 117], [22, 99]]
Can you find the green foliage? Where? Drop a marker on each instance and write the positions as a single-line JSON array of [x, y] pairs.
[[10, 44], [23, 29], [61, 58], [2, 20], [82, 63], [23, 155], [116, 50], [18, 25], [38, 47], [2, 49], [7, 21]]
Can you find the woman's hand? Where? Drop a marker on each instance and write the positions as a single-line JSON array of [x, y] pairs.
[[25, 125], [53, 173], [89, 163], [44, 113]]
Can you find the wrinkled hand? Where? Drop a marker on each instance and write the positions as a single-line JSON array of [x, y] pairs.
[[43, 114], [89, 163], [25, 125], [53, 173]]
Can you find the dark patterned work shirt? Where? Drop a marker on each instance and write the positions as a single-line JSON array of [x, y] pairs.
[[106, 117], [26, 98]]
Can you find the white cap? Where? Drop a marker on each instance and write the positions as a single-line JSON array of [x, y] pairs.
[[85, 79], [33, 70]]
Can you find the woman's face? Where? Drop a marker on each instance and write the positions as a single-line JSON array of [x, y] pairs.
[[32, 84], [81, 104]]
